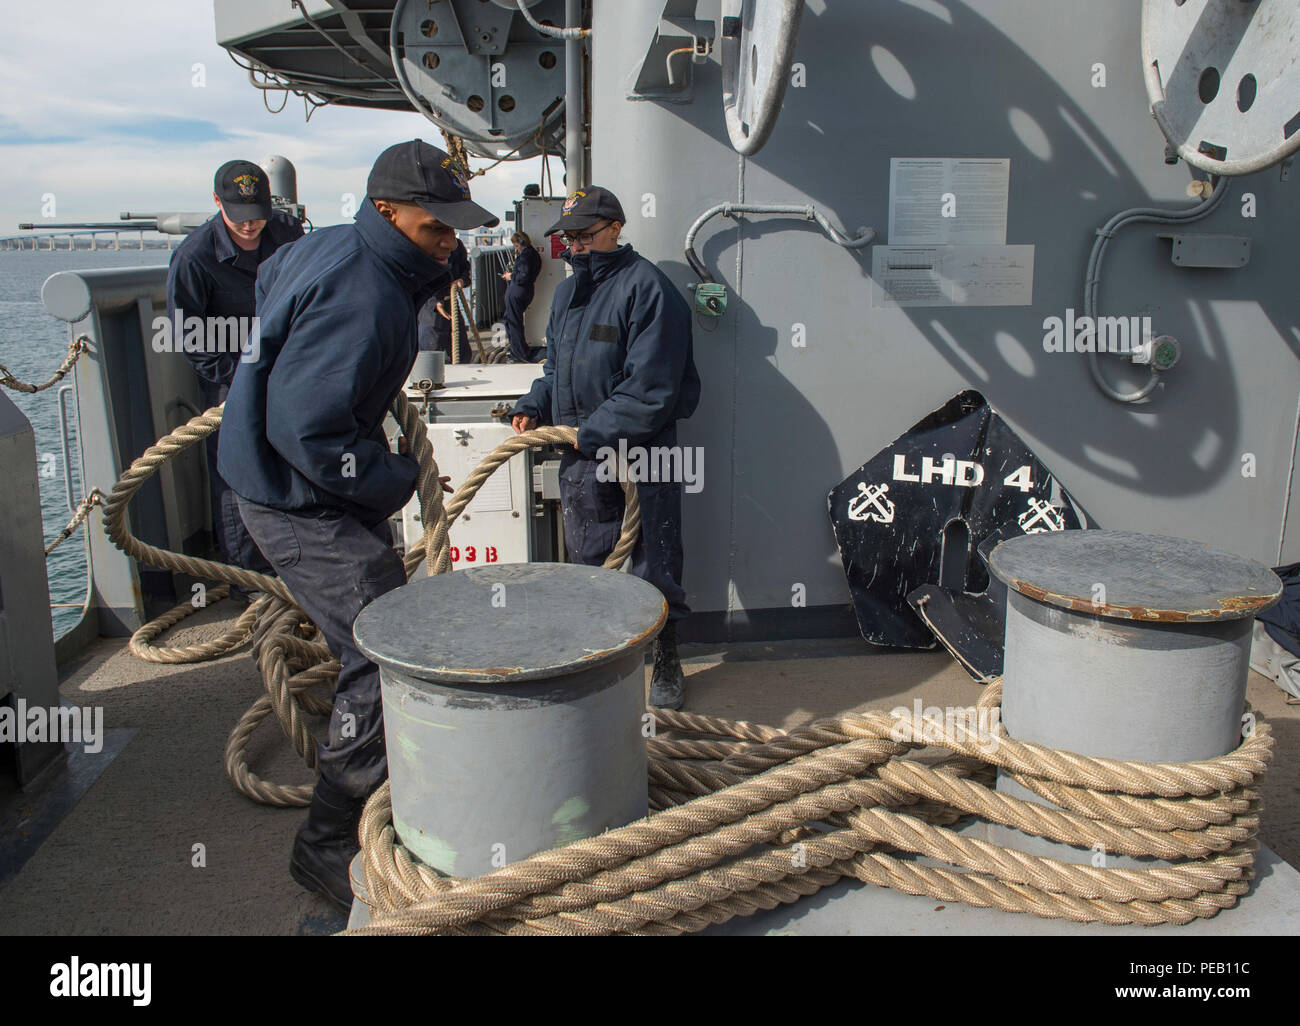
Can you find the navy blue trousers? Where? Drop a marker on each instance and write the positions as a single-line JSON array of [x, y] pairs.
[[236, 545], [517, 301], [334, 566], [435, 333], [593, 520]]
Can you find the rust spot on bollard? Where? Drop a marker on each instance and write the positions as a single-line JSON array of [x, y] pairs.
[[1172, 580], [1230, 606]]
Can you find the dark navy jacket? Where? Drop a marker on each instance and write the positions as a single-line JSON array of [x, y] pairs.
[[619, 362], [433, 326], [459, 266], [527, 266], [209, 276], [303, 425]]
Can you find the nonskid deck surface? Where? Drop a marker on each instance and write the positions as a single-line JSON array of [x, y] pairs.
[[121, 860]]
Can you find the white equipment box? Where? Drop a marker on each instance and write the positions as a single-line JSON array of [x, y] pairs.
[[501, 524]]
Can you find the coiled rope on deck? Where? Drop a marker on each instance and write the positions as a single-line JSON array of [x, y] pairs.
[[751, 817], [296, 665], [839, 799]]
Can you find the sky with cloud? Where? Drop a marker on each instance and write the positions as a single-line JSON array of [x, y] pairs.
[[100, 108]]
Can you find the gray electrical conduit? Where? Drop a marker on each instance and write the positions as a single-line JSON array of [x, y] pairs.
[[1137, 215], [548, 30], [864, 237]]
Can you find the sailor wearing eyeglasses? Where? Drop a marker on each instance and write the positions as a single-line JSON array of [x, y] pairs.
[[619, 365]]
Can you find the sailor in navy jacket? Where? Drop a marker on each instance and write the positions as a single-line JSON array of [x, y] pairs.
[[619, 360], [213, 278], [522, 277], [338, 337], [619, 367], [303, 446], [209, 276], [435, 315]]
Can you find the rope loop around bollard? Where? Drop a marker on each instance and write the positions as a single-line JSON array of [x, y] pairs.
[[291, 664], [750, 817], [733, 837]]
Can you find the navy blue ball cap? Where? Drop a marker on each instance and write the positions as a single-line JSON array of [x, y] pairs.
[[415, 172], [586, 208], [244, 191]]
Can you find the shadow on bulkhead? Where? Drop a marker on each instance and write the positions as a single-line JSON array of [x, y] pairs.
[[740, 357], [938, 79]]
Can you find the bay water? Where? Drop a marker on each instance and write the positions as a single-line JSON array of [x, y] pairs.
[[32, 345]]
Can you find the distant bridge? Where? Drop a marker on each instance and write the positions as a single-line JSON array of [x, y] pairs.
[[36, 239]]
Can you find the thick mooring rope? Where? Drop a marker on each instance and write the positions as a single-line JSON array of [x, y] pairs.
[[839, 799], [296, 666], [460, 304], [751, 817]]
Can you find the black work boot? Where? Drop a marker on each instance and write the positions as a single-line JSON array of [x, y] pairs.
[[326, 844], [667, 683]]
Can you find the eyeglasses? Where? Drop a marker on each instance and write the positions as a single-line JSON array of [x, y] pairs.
[[583, 238]]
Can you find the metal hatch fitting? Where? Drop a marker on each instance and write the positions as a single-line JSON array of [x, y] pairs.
[[664, 73], [1223, 80], [757, 48], [482, 73], [1198, 249]]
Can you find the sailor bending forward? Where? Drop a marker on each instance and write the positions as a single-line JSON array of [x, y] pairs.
[[619, 365], [303, 447]]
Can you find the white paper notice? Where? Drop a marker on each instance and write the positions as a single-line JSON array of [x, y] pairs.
[[494, 495], [948, 201], [952, 276]]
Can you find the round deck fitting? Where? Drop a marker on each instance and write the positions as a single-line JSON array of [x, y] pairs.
[[1132, 576], [510, 622], [1124, 646], [514, 705]]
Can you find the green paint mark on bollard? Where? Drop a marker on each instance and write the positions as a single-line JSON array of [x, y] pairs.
[[566, 829]]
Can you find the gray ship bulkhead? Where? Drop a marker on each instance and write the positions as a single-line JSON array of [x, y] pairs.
[[781, 424], [806, 376]]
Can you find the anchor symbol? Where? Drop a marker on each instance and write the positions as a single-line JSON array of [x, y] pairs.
[[1040, 517], [870, 504]]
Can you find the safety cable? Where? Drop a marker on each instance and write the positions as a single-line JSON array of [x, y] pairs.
[[550, 30]]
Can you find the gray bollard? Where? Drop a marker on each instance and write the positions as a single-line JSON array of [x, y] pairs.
[[428, 372], [514, 705], [1125, 646]]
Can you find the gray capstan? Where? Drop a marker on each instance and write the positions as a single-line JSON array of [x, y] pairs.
[[1125, 646], [514, 708], [510, 623], [1141, 576]]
